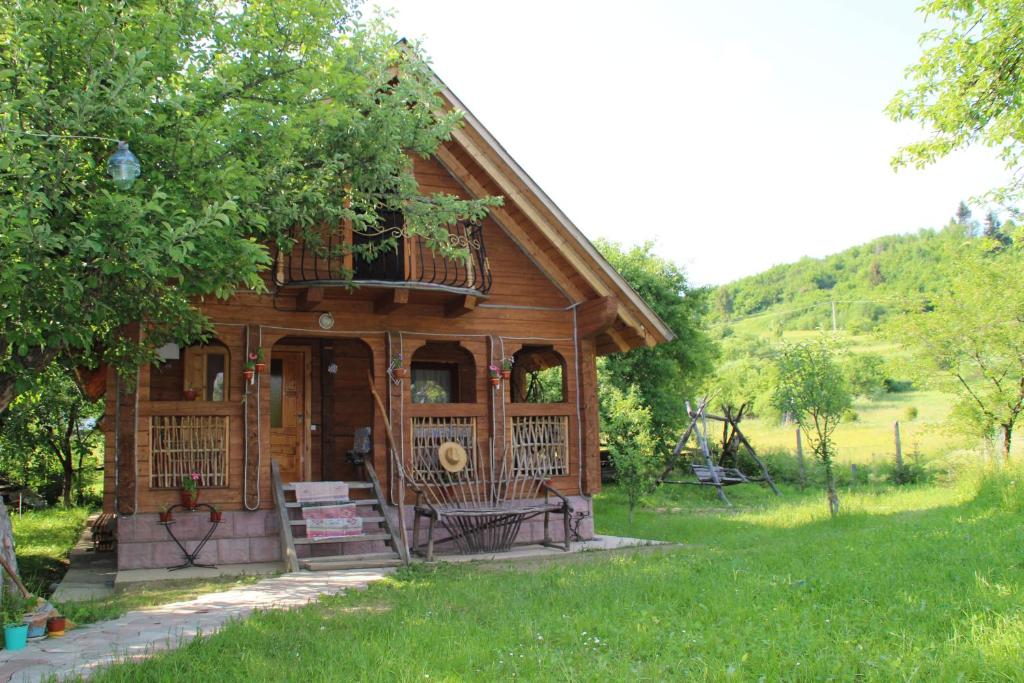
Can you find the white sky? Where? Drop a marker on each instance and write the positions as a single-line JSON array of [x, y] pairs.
[[736, 135]]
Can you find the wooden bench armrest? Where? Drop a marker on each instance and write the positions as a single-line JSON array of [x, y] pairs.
[[547, 488]]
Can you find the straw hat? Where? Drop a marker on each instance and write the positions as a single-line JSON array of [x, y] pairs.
[[452, 456]]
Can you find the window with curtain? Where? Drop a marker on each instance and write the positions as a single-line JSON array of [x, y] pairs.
[[433, 383]]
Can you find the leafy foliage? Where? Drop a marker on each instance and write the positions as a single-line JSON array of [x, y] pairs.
[[668, 374], [49, 438], [812, 389], [967, 87], [969, 340], [250, 120], [627, 427]]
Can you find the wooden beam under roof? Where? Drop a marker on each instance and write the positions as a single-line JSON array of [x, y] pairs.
[[309, 298], [461, 306], [595, 316]]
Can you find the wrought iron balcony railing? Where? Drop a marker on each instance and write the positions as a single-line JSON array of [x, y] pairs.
[[327, 259]]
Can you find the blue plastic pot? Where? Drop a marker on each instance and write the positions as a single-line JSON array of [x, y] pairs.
[[36, 630], [15, 636]]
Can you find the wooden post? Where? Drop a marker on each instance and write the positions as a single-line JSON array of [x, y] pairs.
[[800, 459], [899, 447], [853, 474]]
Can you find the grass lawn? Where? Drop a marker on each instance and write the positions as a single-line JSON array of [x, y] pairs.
[[42, 541], [921, 583]]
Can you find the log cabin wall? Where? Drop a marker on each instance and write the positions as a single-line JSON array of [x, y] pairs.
[[523, 307]]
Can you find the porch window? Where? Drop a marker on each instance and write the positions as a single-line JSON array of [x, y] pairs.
[[434, 383], [206, 371], [540, 444], [538, 376]]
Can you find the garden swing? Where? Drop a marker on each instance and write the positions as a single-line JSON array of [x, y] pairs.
[[708, 472]]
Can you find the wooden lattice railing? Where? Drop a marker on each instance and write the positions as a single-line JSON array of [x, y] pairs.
[[540, 444], [428, 433], [183, 444]]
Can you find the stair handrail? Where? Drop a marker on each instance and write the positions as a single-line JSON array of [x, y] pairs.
[[291, 558]]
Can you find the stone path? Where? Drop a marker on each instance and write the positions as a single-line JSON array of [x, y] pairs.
[[142, 633]]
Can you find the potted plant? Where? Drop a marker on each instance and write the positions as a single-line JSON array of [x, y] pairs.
[[190, 490], [215, 514], [495, 375], [190, 394], [55, 626], [250, 368], [259, 360], [397, 366], [166, 515], [506, 367], [15, 628]]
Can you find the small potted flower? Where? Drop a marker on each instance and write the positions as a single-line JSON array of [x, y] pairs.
[[190, 490], [215, 514], [250, 368], [397, 366], [495, 375], [190, 394], [15, 627], [259, 361], [166, 515], [55, 626], [506, 367]]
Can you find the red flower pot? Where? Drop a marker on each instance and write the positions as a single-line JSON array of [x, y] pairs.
[[190, 394], [505, 374], [495, 381], [248, 374], [166, 516], [398, 373], [189, 499], [55, 626], [261, 367], [215, 515]]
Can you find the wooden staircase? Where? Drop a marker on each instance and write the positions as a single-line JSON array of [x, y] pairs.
[[322, 554]]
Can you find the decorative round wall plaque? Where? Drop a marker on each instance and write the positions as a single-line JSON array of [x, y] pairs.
[[326, 321]]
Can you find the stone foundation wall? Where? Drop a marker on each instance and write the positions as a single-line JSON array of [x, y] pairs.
[[143, 543]]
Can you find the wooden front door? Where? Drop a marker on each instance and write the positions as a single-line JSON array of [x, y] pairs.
[[289, 412]]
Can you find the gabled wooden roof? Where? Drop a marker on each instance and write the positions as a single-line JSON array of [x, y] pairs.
[[623, 320]]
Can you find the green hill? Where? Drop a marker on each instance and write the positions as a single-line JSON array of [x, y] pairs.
[[866, 282]]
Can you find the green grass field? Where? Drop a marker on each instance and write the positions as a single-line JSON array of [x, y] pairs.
[[915, 584], [42, 541]]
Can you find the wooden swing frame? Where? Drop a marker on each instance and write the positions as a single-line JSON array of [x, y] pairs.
[[708, 472]]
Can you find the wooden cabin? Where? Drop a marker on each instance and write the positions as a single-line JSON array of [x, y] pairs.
[[534, 289]]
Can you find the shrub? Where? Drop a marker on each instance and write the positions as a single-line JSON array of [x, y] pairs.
[[910, 413], [627, 427]]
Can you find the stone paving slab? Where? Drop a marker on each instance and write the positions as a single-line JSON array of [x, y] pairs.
[[142, 633]]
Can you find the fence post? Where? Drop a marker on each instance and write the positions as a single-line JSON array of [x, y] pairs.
[[899, 447], [800, 458]]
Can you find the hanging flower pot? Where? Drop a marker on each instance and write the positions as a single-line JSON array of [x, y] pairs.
[[215, 515], [398, 373], [248, 373], [257, 360], [495, 381], [190, 499], [505, 374], [261, 368], [506, 367], [190, 490], [166, 516]]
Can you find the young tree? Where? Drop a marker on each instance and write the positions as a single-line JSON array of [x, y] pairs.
[[250, 120], [668, 373], [626, 424], [969, 340], [967, 87], [812, 389], [48, 433]]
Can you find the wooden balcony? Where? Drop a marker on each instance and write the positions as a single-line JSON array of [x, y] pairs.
[[398, 260]]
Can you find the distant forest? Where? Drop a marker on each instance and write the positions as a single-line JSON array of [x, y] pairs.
[[866, 282]]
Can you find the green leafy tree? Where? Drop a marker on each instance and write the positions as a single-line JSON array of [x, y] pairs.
[[967, 88], [969, 339], [812, 389], [250, 119], [668, 373], [865, 374], [49, 435], [627, 428]]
